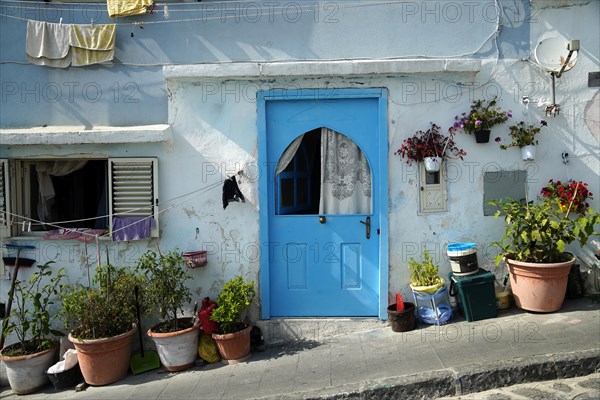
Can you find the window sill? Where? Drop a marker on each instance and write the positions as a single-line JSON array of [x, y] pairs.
[[57, 135]]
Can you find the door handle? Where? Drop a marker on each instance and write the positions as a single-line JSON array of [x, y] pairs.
[[367, 226]]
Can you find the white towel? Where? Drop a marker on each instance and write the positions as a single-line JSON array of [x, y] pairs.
[[48, 44]]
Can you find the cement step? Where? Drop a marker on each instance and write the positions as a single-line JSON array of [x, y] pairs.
[[278, 331]]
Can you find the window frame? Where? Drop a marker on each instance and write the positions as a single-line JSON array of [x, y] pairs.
[[16, 188]]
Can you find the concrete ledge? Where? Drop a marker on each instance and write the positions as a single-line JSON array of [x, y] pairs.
[[319, 68], [56, 135], [472, 378]]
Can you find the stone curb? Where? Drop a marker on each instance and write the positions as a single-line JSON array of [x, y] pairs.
[[471, 378]]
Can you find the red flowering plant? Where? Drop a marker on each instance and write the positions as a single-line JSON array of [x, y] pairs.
[[571, 195], [429, 143]]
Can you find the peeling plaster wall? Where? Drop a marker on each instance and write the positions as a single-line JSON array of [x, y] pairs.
[[215, 132]]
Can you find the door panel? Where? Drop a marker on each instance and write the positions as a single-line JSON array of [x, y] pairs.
[[316, 267]]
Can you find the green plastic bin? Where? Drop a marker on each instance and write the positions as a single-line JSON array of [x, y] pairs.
[[475, 295]]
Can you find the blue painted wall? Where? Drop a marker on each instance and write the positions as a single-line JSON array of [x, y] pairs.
[[133, 91]]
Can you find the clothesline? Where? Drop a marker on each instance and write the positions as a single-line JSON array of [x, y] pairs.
[[57, 225]]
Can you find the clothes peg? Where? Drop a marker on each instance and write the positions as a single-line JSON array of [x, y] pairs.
[[166, 12], [60, 21], [92, 22]]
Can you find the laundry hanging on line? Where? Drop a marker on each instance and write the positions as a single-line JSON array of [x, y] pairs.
[[127, 8], [60, 45], [131, 228], [231, 192]]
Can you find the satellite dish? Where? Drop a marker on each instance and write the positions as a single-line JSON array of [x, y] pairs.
[[551, 54]]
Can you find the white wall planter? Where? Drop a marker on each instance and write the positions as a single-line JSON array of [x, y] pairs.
[[432, 164], [528, 152]]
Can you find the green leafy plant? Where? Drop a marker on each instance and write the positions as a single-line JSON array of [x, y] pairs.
[[31, 320], [105, 310], [539, 233], [522, 135], [425, 273], [235, 297], [484, 115], [165, 288]]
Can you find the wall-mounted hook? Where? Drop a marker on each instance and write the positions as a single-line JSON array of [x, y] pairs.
[[197, 232], [565, 157]]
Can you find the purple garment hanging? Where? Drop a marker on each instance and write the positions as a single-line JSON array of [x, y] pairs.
[[131, 228]]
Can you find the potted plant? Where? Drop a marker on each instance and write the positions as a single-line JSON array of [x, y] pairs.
[[523, 136], [483, 116], [31, 322], [176, 338], [103, 316], [533, 247], [573, 194], [430, 147], [429, 290], [233, 337], [424, 275]]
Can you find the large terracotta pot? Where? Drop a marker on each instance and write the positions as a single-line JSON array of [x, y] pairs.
[[104, 361], [539, 287], [177, 350], [234, 346], [27, 374]]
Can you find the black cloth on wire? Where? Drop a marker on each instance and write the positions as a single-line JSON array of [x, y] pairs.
[[231, 192]]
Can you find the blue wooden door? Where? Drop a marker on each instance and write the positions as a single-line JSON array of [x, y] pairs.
[[321, 264]]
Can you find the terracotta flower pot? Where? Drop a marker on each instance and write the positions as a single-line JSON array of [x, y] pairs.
[[539, 287], [27, 374], [234, 346], [177, 350], [104, 361]]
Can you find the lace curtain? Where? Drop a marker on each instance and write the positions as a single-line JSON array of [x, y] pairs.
[[45, 171], [345, 176]]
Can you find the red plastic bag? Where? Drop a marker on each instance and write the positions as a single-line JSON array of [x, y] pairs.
[[208, 325]]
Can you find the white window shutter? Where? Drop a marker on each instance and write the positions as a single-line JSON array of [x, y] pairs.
[[133, 186], [5, 217], [433, 197]]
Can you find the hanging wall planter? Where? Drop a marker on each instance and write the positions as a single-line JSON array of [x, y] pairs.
[[528, 152], [482, 136], [432, 164]]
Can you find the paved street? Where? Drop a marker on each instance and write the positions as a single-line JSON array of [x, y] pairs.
[[430, 362]]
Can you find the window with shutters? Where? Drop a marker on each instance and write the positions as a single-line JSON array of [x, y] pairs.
[[433, 196], [77, 193], [4, 200]]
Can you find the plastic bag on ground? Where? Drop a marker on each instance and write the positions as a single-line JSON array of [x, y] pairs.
[[70, 360], [207, 349]]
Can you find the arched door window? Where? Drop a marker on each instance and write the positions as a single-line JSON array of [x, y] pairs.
[[323, 172]]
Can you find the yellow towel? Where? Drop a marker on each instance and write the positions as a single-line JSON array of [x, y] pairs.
[[92, 44], [126, 8]]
